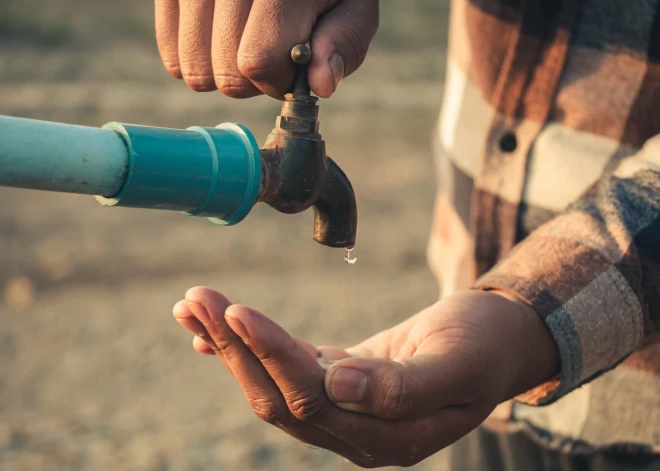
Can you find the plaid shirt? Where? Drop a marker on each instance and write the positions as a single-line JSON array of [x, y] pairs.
[[549, 170]]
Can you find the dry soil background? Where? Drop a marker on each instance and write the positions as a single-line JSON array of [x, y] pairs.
[[94, 372]]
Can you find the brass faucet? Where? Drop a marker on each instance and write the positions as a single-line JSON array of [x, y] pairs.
[[297, 173]]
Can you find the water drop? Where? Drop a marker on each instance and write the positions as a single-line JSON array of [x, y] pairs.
[[349, 256]]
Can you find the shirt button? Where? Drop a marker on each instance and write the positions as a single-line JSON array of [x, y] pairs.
[[508, 142]]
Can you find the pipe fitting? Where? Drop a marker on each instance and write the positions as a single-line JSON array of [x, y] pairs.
[[210, 172]]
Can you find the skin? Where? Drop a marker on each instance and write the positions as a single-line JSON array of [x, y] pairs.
[[426, 382], [405, 393], [242, 47]]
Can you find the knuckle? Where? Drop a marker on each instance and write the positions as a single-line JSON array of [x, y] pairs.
[[352, 34], [306, 406], [199, 83], [229, 352], [265, 356], [271, 353], [233, 87], [269, 411], [257, 67], [395, 399]]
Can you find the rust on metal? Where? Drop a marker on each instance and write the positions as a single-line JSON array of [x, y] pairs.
[[297, 173]]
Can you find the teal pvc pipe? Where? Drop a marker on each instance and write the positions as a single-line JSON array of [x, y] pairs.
[[211, 172], [61, 157]]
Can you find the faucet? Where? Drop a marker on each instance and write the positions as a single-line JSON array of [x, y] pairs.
[[296, 172], [219, 173]]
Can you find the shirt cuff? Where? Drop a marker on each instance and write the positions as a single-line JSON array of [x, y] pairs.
[[583, 296]]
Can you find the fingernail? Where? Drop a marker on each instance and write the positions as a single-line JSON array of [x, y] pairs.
[[236, 325], [325, 363], [348, 386], [200, 312], [332, 354], [336, 64]]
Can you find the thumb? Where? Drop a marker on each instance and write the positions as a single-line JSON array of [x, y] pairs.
[[340, 42], [389, 389]]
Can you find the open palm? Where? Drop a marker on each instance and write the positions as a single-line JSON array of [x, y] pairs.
[[394, 399]]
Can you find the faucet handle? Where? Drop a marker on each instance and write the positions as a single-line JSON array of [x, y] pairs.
[[302, 56]]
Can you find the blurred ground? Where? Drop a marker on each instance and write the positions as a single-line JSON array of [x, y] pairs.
[[94, 372]]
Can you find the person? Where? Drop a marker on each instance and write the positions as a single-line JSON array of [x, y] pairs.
[[545, 239]]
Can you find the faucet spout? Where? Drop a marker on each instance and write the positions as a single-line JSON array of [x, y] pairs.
[[335, 212], [297, 175]]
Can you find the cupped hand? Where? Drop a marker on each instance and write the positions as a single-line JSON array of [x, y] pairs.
[[394, 399], [242, 47]]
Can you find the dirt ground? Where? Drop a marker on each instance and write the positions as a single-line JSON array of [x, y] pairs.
[[94, 372]]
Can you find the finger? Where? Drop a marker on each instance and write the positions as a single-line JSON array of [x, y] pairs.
[[333, 353], [340, 42], [309, 348], [202, 347], [289, 364], [261, 392], [229, 22], [187, 319], [325, 356], [297, 375], [272, 30], [202, 342], [387, 343], [328, 356], [418, 387], [201, 302], [195, 36], [167, 31], [208, 307]]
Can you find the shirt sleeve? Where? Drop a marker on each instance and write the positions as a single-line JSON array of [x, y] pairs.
[[593, 273]]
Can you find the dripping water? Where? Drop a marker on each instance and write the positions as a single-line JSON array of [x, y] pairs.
[[349, 256]]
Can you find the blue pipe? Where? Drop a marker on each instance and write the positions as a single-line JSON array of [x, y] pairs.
[[210, 172], [61, 157]]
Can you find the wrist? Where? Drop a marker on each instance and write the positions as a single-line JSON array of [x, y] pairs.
[[536, 354]]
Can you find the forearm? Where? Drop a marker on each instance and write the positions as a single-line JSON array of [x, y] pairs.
[[538, 362]]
